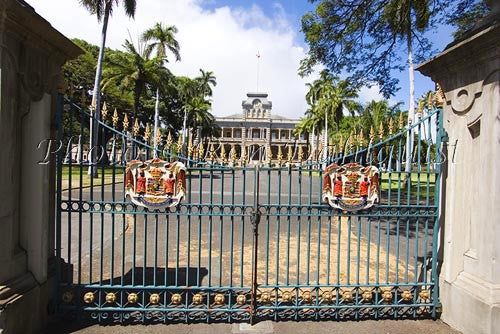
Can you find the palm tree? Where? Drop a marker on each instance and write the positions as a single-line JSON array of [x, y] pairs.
[[328, 97], [206, 80], [135, 70], [404, 17], [163, 40], [103, 10], [199, 115]]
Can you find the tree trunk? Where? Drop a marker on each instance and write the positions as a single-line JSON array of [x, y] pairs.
[[157, 116], [96, 95], [411, 108], [325, 140]]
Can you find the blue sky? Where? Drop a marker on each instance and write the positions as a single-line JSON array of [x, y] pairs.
[[224, 36], [294, 9]]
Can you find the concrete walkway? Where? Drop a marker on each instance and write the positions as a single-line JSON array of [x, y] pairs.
[[268, 327]]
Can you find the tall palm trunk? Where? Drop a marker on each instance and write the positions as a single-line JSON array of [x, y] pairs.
[[96, 96], [157, 116], [411, 109], [325, 140]]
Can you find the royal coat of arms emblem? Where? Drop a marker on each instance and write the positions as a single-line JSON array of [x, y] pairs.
[[155, 184], [351, 187]]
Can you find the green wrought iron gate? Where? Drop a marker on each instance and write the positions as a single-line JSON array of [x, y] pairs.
[[251, 240]]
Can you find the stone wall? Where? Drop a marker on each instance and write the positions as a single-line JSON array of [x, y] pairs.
[[31, 56], [469, 74]]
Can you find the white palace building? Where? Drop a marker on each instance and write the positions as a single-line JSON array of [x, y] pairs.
[[256, 129]]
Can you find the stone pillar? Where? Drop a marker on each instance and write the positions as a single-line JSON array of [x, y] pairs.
[[469, 73], [31, 56]]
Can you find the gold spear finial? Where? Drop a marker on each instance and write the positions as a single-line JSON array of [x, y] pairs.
[[350, 142], [372, 134], [361, 138], [125, 123], [179, 144], [104, 111], [439, 96], [232, 154], [269, 154], [201, 150], [420, 109], [290, 154], [300, 154], [135, 130], [391, 126], [158, 137], [401, 121], [190, 148], [430, 96], [115, 119], [381, 131], [279, 156], [147, 132], [169, 140], [211, 154], [222, 154], [243, 157]]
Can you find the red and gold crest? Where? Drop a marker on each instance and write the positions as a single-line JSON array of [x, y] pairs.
[[156, 183], [351, 187]]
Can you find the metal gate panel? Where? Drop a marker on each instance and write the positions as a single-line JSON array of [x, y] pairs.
[[249, 241]]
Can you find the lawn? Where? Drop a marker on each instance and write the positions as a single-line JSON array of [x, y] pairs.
[[86, 180]]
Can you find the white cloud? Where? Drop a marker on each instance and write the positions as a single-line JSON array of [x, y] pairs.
[[224, 40], [373, 93]]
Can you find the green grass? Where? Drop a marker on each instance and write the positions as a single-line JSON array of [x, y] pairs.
[[86, 180]]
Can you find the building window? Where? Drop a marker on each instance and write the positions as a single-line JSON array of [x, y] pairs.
[[274, 134], [237, 133], [256, 134], [228, 134], [284, 135]]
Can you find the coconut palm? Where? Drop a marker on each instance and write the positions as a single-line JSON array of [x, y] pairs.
[[103, 10], [206, 80], [162, 40], [135, 70], [404, 18]]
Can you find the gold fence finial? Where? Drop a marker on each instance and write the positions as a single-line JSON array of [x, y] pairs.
[[190, 148], [300, 154], [104, 111], [147, 133], [401, 121], [361, 138], [115, 119], [439, 96], [201, 150], [430, 97], [125, 123], [223, 154], [243, 158], [279, 156], [269, 154], [372, 134], [381, 131], [136, 127], [391, 126], [211, 152], [232, 154], [290, 154], [169, 140], [158, 137], [420, 109], [179, 144]]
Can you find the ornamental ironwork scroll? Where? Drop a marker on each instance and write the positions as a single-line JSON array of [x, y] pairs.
[[351, 187], [155, 184]]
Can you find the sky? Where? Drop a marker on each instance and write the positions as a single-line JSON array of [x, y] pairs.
[[225, 36]]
